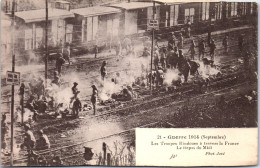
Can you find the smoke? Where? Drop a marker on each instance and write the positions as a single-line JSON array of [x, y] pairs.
[[207, 71], [171, 76]]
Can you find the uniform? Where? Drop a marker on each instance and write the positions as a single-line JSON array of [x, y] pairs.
[[156, 59], [212, 50], [59, 62], [103, 71], [94, 98], [76, 107], [201, 49], [192, 50], [225, 44]]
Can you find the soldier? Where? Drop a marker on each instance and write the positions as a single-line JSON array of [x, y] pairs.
[[212, 49], [163, 58], [146, 52], [181, 41], [188, 27], [4, 129], [59, 62], [103, 70], [240, 42], [75, 91], [96, 50], [118, 49], [192, 49], [43, 141], [29, 139], [156, 58], [201, 49], [30, 104], [66, 53], [76, 107], [171, 41], [225, 44], [94, 97]]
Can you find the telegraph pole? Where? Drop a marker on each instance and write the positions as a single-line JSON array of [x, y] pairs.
[[152, 47], [46, 44], [12, 101]]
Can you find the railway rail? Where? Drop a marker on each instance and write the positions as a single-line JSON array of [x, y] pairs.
[[124, 110], [126, 131]]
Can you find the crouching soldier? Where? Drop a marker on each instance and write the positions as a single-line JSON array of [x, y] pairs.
[[159, 76], [76, 107], [43, 141], [29, 139]]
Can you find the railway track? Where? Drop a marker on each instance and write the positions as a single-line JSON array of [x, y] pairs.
[[122, 132], [124, 110]]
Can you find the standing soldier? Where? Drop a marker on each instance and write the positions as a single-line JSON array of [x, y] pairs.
[[103, 70], [29, 139], [59, 62], [118, 49], [4, 129], [240, 42], [201, 48], [156, 58], [76, 107], [181, 41], [225, 44], [94, 97], [212, 49], [188, 27], [75, 91], [192, 49], [246, 57], [96, 50], [171, 41], [163, 58]]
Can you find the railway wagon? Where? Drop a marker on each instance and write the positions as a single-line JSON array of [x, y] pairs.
[[79, 26]]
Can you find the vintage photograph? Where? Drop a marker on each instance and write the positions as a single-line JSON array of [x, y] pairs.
[[79, 76]]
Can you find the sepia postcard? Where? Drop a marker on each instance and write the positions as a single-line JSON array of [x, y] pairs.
[[129, 83]]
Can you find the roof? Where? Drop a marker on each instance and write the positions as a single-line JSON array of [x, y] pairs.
[[62, 2], [40, 15], [133, 5], [95, 11]]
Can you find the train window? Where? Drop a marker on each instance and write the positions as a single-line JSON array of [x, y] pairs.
[[69, 30], [189, 15], [39, 37], [28, 39], [205, 10], [233, 8]]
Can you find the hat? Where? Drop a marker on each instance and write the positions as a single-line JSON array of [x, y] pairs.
[[75, 83]]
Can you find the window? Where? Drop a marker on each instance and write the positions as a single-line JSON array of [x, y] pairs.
[[252, 8], [28, 39], [233, 8], [39, 37], [189, 15], [69, 30], [205, 10]]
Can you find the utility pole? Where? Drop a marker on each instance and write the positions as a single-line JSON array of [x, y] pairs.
[[12, 101], [151, 77], [46, 44]]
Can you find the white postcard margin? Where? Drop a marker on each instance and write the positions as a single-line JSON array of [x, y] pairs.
[[196, 146]]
